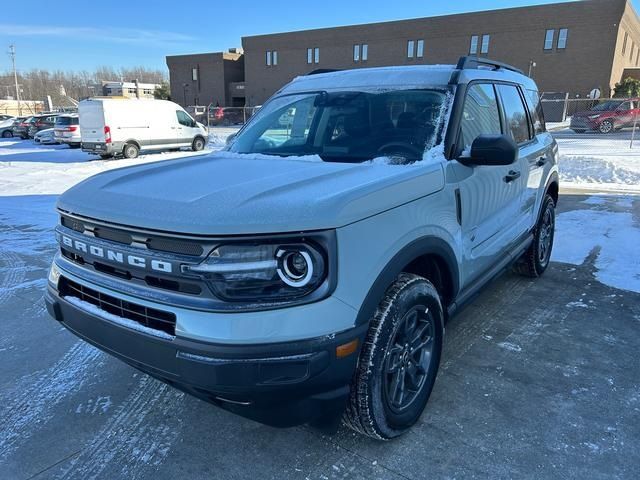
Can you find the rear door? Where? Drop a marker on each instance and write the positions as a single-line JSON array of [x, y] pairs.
[[92, 121], [490, 196]]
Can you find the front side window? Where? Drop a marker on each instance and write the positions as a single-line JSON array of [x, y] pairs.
[[410, 47], [184, 119], [485, 44], [349, 126], [356, 53], [548, 39], [420, 50], [515, 114], [473, 48], [563, 33], [480, 115]]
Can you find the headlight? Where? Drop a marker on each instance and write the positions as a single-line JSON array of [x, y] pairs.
[[269, 272]]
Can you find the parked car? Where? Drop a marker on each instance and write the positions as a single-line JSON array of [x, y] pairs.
[[127, 126], [21, 127], [197, 112], [227, 116], [45, 137], [6, 128], [67, 130], [4, 117], [308, 276], [41, 122], [607, 117]]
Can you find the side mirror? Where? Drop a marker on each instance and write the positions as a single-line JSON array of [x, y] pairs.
[[492, 150]]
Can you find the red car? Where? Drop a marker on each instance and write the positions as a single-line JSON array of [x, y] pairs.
[[607, 116]]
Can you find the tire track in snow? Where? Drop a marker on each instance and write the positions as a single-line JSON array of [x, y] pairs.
[[25, 409], [135, 437], [13, 265]]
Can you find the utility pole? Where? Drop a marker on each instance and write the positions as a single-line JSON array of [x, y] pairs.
[[12, 54]]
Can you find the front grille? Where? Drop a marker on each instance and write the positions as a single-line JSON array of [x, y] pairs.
[[149, 317]]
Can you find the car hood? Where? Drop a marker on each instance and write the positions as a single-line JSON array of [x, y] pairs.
[[226, 194]]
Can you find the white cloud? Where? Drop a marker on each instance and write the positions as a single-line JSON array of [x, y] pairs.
[[107, 35]]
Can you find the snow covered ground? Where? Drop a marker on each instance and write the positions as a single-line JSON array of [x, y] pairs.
[[597, 162]]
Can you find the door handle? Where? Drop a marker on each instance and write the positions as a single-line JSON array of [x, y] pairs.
[[511, 176], [541, 161]]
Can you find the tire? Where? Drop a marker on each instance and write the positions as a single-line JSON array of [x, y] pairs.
[[376, 407], [130, 150], [606, 127], [7, 134], [536, 259], [198, 144]]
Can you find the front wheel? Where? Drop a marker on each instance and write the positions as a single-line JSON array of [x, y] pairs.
[[130, 150], [7, 134], [606, 127], [198, 144], [399, 361], [536, 259]]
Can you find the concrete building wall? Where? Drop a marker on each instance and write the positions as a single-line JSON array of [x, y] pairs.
[[215, 71], [516, 36]]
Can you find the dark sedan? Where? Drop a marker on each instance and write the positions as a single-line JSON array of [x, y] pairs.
[[41, 122]]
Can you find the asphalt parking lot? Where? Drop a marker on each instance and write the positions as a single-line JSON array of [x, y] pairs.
[[539, 379]]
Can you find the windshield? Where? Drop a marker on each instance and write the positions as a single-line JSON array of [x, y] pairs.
[[607, 106], [347, 126]]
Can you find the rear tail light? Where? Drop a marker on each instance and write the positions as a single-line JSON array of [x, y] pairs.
[[107, 134], [73, 129]]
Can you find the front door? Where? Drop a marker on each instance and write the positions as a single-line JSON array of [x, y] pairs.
[[490, 196], [185, 128]]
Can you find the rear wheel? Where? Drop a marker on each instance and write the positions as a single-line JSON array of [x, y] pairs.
[[536, 259], [606, 127], [7, 134], [399, 361], [130, 150], [198, 144]]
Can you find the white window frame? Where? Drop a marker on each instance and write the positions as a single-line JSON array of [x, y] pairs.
[[549, 35], [411, 48], [420, 49], [484, 46], [473, 45], [562, 39]]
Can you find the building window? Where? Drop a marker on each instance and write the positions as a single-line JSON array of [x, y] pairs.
[[624, 43], [410, 45], [484, 48], [316, 55], [633, 47], [548, 39], [473, 48], [274, 58], [268, 60], [365, 52], [563, 33], [309, 55], [356, 53], [194, 74], [420, 49]]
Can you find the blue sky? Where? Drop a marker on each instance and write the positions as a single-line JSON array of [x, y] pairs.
[[83, 35]]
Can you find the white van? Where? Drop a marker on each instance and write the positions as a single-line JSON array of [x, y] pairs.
[[114, 126]]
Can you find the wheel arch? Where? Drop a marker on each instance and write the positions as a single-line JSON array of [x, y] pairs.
[[430, 257], [133, 141]]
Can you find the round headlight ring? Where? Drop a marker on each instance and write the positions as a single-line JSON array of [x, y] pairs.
[[291, 274]]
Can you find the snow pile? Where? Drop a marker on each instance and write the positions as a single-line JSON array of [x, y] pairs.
[[260, 156], [599, 163], [218, 136], [608, 234]]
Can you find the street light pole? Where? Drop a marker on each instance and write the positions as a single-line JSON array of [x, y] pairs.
[[12, 54], [532, 65]]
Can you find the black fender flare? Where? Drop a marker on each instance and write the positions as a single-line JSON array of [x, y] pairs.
[[417, 248]]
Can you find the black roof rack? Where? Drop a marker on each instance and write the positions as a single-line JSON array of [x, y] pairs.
[[323, 70], [471, 61]]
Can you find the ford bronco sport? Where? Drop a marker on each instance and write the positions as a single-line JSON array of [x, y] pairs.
[[305, 273]]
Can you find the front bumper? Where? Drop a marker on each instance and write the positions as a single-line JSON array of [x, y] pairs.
[[278, 384]]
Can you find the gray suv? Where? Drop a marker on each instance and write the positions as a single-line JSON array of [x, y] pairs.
[[306, 273]]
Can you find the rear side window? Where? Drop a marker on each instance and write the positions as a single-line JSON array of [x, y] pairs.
[[517, 124], [535, 111], [64, 121], [480, 114]]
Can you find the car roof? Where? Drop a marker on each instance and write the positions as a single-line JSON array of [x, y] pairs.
[[403, 76]]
